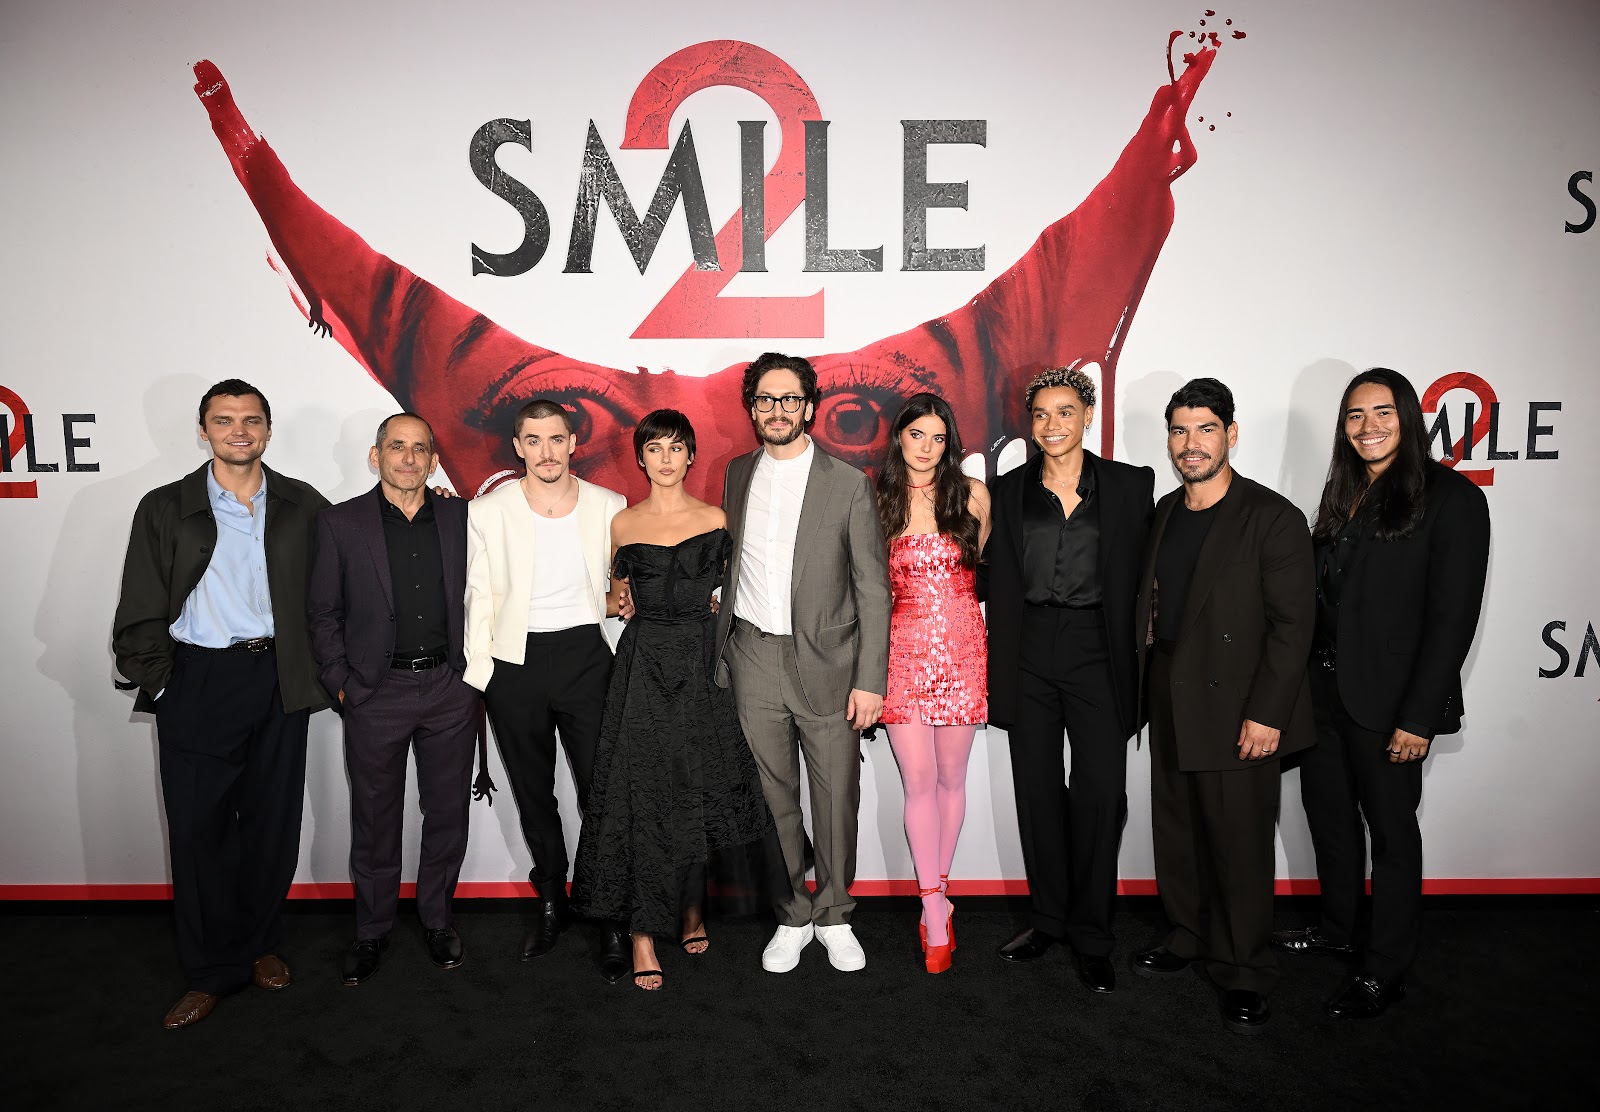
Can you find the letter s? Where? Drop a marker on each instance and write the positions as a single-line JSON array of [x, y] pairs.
[[1582, 199], [1560, 650]]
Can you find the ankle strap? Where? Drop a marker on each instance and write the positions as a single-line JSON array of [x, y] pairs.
[[926, 892]]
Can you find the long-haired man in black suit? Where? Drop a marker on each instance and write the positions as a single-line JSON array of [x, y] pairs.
[[1402, 551]]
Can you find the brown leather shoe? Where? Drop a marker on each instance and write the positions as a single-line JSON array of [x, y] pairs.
[[269, 972], [194, 1007]]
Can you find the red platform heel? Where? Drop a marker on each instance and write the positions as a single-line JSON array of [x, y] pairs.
[[950, 924], [936, 958]]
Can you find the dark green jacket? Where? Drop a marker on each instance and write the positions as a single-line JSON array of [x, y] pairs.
[[168, 551]]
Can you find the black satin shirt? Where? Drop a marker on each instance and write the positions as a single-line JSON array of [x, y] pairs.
[[1061, 554]]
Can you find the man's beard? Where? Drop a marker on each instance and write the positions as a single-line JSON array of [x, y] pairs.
[[778, 440], [549, 480], [1210, 473]]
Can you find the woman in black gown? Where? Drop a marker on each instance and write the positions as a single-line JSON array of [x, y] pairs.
[[674, 782]]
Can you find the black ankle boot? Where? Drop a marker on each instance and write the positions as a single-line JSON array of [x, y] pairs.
[[547, 923]]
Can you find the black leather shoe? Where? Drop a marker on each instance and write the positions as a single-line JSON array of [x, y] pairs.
[[1366, 997], [361, 960], [444, 947], [1244, 1012], [1158, 961], [1310, 940], [615, 959], [1095, 971], [1027, 946], [541, 937]]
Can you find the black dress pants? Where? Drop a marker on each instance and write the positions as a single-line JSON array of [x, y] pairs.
[[434, 714], [560, 687], [233, 774], [1345, 778], [1213, 843], [1070, 824]]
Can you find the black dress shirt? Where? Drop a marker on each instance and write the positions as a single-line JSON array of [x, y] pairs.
[[1181, 542], [1061, 554], [416, 571]]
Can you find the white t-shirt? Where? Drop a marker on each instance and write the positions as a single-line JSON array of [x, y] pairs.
[[771, 526], [559, 597]]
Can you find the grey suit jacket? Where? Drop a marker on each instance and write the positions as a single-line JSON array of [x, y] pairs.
[[839, 595]]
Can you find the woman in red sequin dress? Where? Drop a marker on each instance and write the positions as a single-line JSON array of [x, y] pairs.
[[936, 519]]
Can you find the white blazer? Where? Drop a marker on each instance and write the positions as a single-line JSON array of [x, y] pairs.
[[500, 541]]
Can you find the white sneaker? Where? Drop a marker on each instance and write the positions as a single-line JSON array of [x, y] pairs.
[[783, 952], [844, 952]]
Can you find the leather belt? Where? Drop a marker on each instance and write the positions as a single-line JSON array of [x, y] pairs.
[[254, 645], [418, 663]]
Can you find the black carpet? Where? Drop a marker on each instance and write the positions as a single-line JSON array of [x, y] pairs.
[[1502, 1013]]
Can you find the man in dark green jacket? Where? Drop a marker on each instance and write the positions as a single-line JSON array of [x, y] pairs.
[[211, 629]]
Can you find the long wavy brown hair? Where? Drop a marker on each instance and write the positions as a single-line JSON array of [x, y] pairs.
[[951, 491]]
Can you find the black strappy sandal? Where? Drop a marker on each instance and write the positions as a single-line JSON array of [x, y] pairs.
[[637, 979], [687, 942]]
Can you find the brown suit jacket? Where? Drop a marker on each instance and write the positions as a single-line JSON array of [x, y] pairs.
[[1246, 631], [839, 593]]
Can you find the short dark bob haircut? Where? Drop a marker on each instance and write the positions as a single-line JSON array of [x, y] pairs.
[[661, 424]]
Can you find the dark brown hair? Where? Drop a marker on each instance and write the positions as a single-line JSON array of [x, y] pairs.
[[951, 491]]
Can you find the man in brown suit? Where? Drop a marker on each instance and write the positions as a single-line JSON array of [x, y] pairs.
[[1228, 607]]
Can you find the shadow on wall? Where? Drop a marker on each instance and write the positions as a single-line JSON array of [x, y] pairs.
[[1308, 432], [1143, 418], [119, 792]]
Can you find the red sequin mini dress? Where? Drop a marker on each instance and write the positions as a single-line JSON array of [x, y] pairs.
[[938, 658]]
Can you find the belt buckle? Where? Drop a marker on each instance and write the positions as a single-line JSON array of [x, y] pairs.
[[258, 645]]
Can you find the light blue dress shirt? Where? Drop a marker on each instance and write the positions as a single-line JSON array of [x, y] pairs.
[[232, 602]]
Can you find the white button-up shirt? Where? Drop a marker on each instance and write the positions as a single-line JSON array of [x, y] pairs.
[[771, 526]]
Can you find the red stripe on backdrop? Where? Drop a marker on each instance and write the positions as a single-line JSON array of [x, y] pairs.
[[479, 889]]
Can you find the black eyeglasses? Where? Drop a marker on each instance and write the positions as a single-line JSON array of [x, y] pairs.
[[791, 403]]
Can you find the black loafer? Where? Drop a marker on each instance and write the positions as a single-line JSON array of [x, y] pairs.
[[1310, 940], [1030, 945], [444, 947], [541, 937], [1244, 1012], [361, 960], [615, 960], [1095, 971], [1366, 997], [1158, 961]]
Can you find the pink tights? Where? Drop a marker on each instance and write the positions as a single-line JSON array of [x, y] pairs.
[[933, 765]]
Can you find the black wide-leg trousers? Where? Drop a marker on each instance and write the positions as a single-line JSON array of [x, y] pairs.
[[1346, 778], [1070, 823], [560, 687], [233, 773]]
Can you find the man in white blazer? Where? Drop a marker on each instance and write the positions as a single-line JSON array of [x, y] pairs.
[[803, 639], [538, 566]]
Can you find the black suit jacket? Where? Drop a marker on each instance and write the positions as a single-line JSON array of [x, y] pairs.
[[350, 606], [169, 549], [1246, 631], [1409, 609], [1124, 493]]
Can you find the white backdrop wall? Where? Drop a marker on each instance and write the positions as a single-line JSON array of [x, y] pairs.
[[1387, 183]]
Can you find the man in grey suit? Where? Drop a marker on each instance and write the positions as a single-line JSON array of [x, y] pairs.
[[803, 639]]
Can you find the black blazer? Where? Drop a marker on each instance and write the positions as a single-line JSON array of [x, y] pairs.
[[169, 549], [1124, 493], [350, 606], [1409, 610], [1246, 631]]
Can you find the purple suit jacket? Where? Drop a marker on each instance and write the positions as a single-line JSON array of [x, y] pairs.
[[350, 600]]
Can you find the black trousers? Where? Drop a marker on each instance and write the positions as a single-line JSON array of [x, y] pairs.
[[1345, 778], [560, 687], [434, 714], [1213, 843], [1071, 824], [233, 774]]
